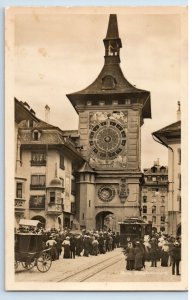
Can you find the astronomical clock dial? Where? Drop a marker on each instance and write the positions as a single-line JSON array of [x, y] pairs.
[[107, 139], [106, 193]]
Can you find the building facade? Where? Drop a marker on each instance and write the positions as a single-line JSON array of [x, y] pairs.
[[154, 200], [111, 113], [170, 137], [46, 158]]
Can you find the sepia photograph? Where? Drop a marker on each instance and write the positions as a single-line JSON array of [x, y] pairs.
[[96, 146]]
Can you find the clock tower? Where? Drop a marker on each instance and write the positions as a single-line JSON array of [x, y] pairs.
[[111, 113]]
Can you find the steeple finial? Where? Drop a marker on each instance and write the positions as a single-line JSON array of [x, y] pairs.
[[112, 31], [112, 41]]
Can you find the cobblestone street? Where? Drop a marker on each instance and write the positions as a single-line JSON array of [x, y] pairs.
[[109, 267]]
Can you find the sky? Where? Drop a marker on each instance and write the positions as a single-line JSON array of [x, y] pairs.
[[60, 51]]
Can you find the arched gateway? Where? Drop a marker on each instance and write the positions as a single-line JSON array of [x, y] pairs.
[[105, 220]]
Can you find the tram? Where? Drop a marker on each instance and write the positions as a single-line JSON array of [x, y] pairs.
[[132, 229]]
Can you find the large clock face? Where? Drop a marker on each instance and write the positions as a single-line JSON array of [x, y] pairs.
[[107, 139]]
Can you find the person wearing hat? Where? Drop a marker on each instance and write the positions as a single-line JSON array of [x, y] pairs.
[[139, 254], [130, 256], [176, 258]]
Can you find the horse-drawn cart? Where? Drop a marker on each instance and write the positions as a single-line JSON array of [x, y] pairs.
[[30, 251]]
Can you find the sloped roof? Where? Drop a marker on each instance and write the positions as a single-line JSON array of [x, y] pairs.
[[168, 133], [86, 168]]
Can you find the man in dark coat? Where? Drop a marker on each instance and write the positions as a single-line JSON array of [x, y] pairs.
[[176, 258], [72, 246]]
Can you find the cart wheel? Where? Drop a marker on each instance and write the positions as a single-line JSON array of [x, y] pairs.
[[44, 262], [16, 264], [28, 265]]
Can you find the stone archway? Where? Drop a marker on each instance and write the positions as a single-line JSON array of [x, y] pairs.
[[105, 220], [40, 219]]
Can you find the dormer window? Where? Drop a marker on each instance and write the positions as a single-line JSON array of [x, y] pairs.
[[108, 82], [36, 135]]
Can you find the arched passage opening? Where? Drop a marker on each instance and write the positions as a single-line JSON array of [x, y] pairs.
[[105, 220], [40, 219]]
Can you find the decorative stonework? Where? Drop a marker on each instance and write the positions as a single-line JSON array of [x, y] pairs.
[[123, 190], [106, 193]]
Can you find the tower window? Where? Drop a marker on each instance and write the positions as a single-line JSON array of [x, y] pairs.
[[153, 209], [154, 219], [36, 135], [61, 161], [52, 197], [19, 190], [144, 199], [144, 209], [108, 82]]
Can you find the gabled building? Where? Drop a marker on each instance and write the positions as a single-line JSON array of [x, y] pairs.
[[170, 137], [154, 200], [46, 159]]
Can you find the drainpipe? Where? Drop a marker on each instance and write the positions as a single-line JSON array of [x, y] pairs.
[[172, 179]]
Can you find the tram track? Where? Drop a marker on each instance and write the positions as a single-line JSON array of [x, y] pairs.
[[91, 271]]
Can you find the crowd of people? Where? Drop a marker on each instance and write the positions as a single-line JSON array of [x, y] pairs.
[[71, 244], [158, 248]]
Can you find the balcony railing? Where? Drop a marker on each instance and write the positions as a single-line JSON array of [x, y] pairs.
[[38, 162], [19, 204]]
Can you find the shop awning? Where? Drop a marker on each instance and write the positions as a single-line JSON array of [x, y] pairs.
[[25, 222]]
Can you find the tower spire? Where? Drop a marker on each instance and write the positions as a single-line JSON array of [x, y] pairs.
[[112, 41]]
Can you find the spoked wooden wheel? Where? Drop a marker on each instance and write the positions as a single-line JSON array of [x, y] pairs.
[[16, 264], [28, 265], [44, 262]]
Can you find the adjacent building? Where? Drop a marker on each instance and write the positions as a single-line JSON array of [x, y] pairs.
[[170, 137], [46, 159], [154, 200]]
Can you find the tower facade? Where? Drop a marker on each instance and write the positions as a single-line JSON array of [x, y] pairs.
[[111, 113]]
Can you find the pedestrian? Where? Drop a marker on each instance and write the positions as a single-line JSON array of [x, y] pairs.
[[95, 249], [153, 252], [66, 246], [52, 244], [139, 253], [130, 256], [176, 258], [165, 254], [72, 246], [79, 245]]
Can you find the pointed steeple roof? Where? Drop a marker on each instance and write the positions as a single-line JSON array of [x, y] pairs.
[[111, 83], [112, 31]]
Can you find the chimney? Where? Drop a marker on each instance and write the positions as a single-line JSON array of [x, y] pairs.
[[179, 111], [47, 113], [156, 163]]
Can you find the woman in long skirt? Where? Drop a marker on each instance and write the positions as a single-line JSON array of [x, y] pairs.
[[66, 246]]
